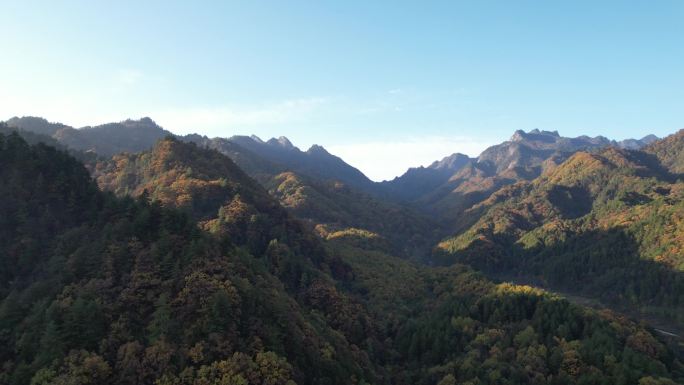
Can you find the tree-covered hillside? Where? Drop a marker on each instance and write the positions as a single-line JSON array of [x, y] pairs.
[[106, 139], [524, 157], [332, 204], [452, 326], [670, 152], [98, 289], [204, 279], [607, 224]]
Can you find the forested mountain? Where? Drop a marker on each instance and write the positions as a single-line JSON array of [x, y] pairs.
[[318, 187], [138, 135], [448, 186], [107, 139], [32, 136], [98, 289], [523, 157], [332, 207], [637, 144], [36, 125], [331, 204], [418, 181], [606, 224], [670, 152], [204, 278], [315, 162]]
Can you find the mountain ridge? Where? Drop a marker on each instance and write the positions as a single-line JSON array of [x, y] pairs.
[[123, 290], [596, 218], [286, 153], [106, 139]]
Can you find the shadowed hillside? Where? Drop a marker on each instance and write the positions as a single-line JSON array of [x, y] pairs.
[[107, 139], [125, 291], [607, 225], [100, 289], [524, 157], [333, 204], [670, 152]]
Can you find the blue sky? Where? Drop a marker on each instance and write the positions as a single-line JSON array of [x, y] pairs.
[[384, 84]]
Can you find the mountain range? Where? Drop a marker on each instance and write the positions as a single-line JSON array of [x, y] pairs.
[[130, 255], [521, 157]]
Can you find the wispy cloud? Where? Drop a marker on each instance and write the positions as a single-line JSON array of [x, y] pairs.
[[217, 120], [382, 160]]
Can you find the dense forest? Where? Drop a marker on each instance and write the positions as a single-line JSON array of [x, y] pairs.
[[173, 266], [606, 224]]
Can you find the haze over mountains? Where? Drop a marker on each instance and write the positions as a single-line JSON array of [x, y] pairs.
[[131, 255], [136, 135], [445, 187]]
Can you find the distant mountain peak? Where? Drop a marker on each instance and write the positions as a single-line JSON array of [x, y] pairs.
[[282, 142], [535, 135], [670, 151], [316, 161], [36, 124], [147, 120], [452, 162], [317, 149], [517, 136], [142, 122], [27, 118]]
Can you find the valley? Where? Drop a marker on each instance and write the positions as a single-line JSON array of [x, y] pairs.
[[187, 259], [341, 193]]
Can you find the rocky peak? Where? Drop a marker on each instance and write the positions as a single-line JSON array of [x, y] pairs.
[[518, 136], [452, 162], [139, 123], [535, 135], [316, 149], [281, 142], [147, 120]]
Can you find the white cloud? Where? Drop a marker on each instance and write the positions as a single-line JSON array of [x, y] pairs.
[[218, 120], [383, 160]]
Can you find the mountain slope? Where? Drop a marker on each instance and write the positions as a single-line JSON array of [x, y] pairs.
[[417, 182], [256, 166], [213, 190], [106, 140], [333, 207], [351, 208], [104, 290], [446, 187], [139, 135], [523, 157], [315, 162], [670, 152], [462, 328], [332, 204], [37, 125], [605, 224]]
